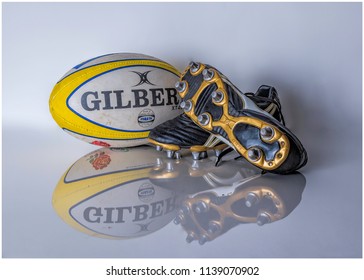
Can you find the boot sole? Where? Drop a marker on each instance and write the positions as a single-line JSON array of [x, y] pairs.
[[241, 132]]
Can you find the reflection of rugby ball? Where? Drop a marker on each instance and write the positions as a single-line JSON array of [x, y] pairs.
[[114, 100], [107, 193]]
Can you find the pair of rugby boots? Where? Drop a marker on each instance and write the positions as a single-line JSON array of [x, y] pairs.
[[217, 115]]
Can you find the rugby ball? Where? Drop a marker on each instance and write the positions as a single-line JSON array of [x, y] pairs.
[[114, 100], [108, 194]]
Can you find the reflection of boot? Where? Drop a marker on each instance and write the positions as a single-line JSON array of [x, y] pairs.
[[212, 102], [108, 194], [262, 199], [182, 133], [188, 176]]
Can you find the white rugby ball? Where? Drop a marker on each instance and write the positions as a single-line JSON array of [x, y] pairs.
[[107, 193], [114, 100]]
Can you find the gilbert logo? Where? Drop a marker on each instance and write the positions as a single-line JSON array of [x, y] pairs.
[[143, 78], [140, 93]]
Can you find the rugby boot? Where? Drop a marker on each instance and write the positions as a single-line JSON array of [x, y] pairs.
[[212, 102], [262, 199], [182, 133]]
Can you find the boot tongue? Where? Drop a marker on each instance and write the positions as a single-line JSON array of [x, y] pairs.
[[266, 98], [267, 92], [264, 91]]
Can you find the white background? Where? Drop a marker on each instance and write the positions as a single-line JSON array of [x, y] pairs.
[[311, 52]]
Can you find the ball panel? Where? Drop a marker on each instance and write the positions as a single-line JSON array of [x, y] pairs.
[[107, 93], [90, 102], [106, 58]]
